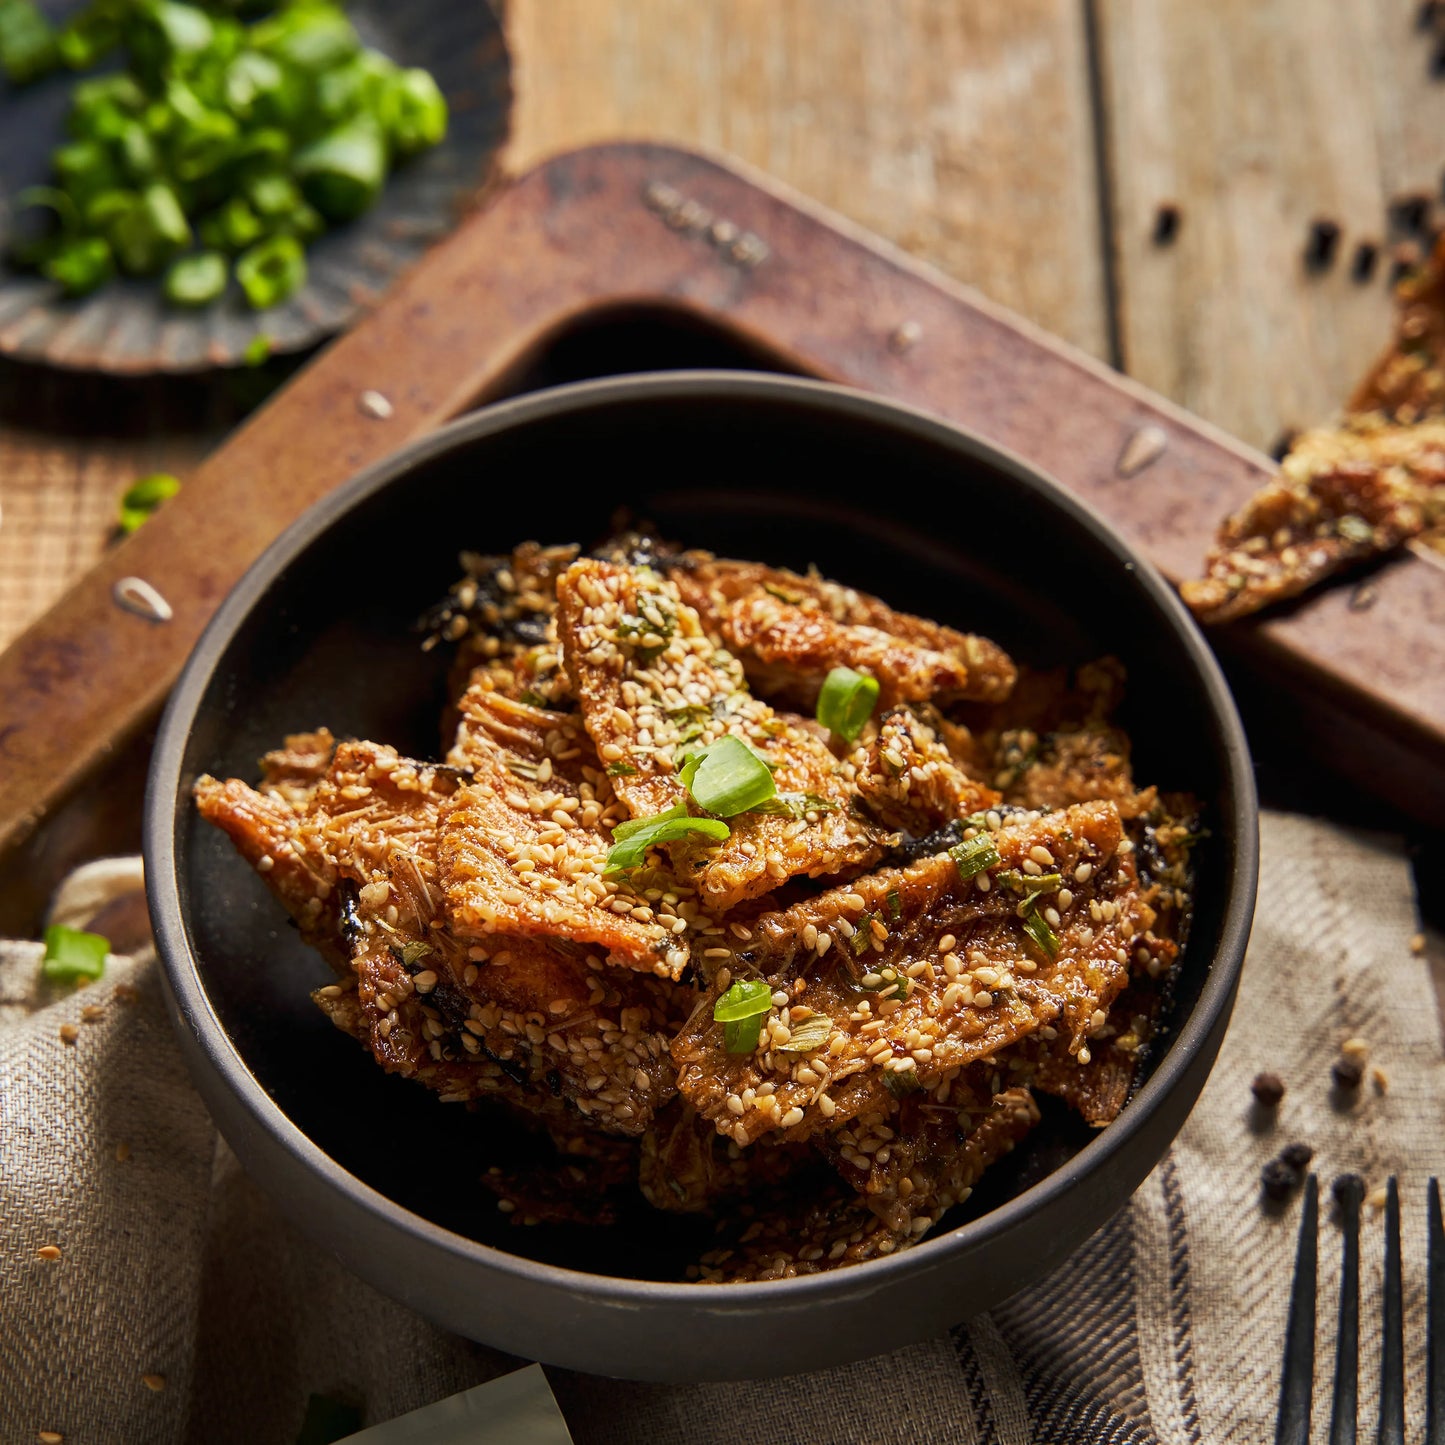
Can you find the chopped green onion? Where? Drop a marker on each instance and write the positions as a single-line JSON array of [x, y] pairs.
[[258, 350], [727, 777], [1041, 933], [81, 265], [196, 280], [147, 235], [71, 953], [741, 1036], [746, 998], [271, 271], [796, 805], [413, 112], [741, 1011], [812, 1033], [27, 42], [1030, 883], [342, 173], [974, 855], [631, 840], [895, 904], [901, 1082], [414, 952], [144, 497], [620, 770], [846, 702]]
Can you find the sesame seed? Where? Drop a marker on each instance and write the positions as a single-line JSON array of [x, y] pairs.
[[122, 1152], [983, 999], [50, 1437], [1083, 872], [154, 1382], [69, 1033], [49, 1251], [793, 1117], [505, 1206], [1041, 855]]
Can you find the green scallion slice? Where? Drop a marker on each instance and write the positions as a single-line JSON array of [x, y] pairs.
[[727, 777], [747, 998], [974, 855], [71, 953], [901, 1082], [846, 702], [631, 840], [741, 1011], [1041, 933], [811, 1033]]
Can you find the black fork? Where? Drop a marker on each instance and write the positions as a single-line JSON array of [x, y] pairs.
[[1296, 1389]]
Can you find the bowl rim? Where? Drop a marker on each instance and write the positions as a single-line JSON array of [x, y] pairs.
[[193, 1013]]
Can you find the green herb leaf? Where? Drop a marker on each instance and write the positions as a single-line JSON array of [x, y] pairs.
[[1041, 933], [974, 855], [727, 777], [620, 770], [808, 1034], [71, 953], [846, 702], [631, 840]]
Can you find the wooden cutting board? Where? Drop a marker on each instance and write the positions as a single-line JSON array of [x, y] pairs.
[[648, 228]]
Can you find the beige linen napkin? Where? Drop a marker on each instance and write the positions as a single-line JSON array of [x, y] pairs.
[[1166, 1326]]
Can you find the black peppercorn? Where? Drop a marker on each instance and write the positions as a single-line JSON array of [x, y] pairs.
[[1167, 220], [1347, 1073], [1324, 240], [1268, 1089], [1277, 1179], [1296, 1155], [1367, 253]]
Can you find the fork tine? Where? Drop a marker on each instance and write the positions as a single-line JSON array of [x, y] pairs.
[[1392, 1351], [1435, 1327], [1349, 1191], [1297, 1380]]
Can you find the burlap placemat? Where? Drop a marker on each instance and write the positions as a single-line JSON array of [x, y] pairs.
[[182, 1308]]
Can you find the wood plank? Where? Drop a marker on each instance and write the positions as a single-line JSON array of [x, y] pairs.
[[961, 131], [1256, 117]]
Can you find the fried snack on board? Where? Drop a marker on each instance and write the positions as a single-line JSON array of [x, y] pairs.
[[1341, 497]]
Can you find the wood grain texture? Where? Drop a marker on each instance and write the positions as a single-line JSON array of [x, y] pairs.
[[1256, 117], [961, 129]]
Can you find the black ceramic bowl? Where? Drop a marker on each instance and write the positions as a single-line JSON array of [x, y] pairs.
[[793, 472]]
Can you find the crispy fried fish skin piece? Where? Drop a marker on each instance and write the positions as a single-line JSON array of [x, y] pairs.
[[650, 684], [524, 848], [501, 614], [977, 978], [790, 631], [686, 1167], [293, 770], [907, 779], [1340, 496], [834, 1228], [1407, 383], [914, 1161], [1096, 1088]]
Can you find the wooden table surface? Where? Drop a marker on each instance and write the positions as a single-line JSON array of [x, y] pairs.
[[1024, 148]]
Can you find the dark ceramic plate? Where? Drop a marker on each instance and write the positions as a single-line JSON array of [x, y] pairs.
[[127, 326], [788, 471]]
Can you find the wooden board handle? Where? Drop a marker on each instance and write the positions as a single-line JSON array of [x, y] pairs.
[[635, 223]]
